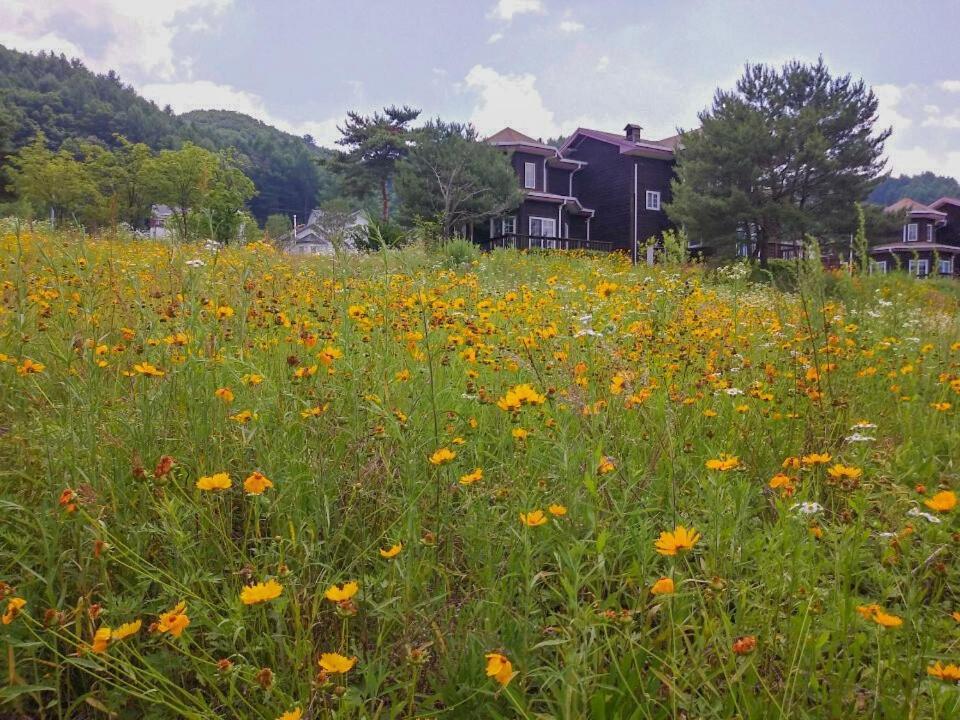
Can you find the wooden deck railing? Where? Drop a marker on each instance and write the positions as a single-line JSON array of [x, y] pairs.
[[539, 242]]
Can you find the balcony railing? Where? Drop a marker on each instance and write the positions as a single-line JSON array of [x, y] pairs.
[[540, 242]]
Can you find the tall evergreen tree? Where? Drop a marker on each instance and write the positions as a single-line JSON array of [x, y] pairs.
[[374, 145], [452, 177], [786, 153]]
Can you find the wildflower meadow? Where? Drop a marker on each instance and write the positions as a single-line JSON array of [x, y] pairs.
[[238, 484]]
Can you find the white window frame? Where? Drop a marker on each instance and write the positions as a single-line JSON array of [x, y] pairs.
[[653, 199], [911, 231], [946, 266], [543, 235], [930, 233], [878, 266], [530, 176], [919, 267], [498, 225]]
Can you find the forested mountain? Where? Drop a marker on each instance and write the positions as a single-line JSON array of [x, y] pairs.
[[925, 187], [64, 100]]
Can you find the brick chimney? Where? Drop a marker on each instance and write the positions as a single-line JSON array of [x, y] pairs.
[[632, 132]]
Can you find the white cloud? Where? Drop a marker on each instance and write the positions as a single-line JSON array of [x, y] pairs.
[[206, 95], [950, 85], [889, 98], [138, 34], [508, 100], [496, 37], [506, 9], [603, 63], [570, 26], [916, 159]]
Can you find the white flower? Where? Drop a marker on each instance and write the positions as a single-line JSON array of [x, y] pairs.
[[917, 512], [589, 331], [808, 508], [732, 392], [857, 437], [196, 262], [585, 318]]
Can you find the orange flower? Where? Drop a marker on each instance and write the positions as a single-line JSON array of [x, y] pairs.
[[744, 645], [14, 606], [943, 501], [472, 477], [442, 456], [723, 463], [947, 673], [499, 668], [174, 621], [557, 510], [663, 586], [816, 459], [392, 551], [225, 394], [257, 483]]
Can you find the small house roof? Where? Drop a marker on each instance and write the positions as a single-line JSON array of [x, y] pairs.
[[654, 148]]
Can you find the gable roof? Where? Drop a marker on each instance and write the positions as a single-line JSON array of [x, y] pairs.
[[915, 209], [649, 148], [508, 137], [939, 203]]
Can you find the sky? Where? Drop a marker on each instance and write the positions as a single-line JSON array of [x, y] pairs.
[[544, 67]]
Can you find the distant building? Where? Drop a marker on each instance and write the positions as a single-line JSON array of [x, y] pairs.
[[929, 242], [160, 221], [597, 191], [316, 236]]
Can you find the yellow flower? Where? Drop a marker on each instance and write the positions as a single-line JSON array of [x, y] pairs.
[[518, 396], [101, 639], [879, 616], [225, 394], [126, 630], [442, 456], [670, 543], [146, 368], [315, 411], [816, 459], [224, 311], [844, 472], [947, 673], [174, 621], [557, 510], [663, 586], [218, 481], [341, 592], [472, 477], [252, 379], [294, 714], [244, 416], [941, 406], [29, 367], [256, 483], [943, 501], [14, 606], [336, 663], [606, 466], [391, 551], [533, 518], [499, 668], [519, 434], [329, 354], [723, 463], [261, 592]]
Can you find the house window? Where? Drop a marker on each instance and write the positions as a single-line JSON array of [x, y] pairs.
[[920, 268], [542, 230], [910, 232], [500, 226], [529, 175], [878, 266], [653, 200], [930, 233], [946, 266]]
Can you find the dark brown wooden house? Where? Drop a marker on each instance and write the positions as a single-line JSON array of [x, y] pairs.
[[598, 191], [929, 242]]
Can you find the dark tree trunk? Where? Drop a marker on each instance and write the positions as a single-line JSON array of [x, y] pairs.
[[385, 200]]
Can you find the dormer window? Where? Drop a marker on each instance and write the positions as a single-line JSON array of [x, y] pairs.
[[911, 231], [529, 175]]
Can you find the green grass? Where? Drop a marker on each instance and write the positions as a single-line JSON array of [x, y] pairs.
[[567, 602]]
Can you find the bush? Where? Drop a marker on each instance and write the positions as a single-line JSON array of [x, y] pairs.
[[459, 251]]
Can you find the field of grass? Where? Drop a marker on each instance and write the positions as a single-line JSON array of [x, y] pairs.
[[242, 485]]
